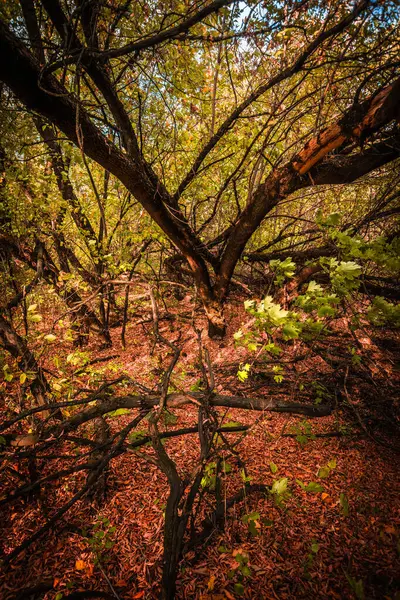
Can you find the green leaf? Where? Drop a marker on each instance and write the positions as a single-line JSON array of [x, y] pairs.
[[332, 463], [246, 571], [238, 589], [314, 287], [252, 347], [344, 503], [50, 337], [326, 311], [118, 412], [243, 372], [333, 219], [273, 468], [22, 378], [35, 318], [291, 331], [324, 472], [254, 516], [302, 439], [8, 376], [314, 547], [280, 486], [226, 467], [312, 487], [245, 478], [248, 304]]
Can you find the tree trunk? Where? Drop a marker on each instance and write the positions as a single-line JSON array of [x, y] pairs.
[[16, 346], [216, 320]]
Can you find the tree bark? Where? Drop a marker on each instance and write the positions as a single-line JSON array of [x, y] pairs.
[[17, 347]]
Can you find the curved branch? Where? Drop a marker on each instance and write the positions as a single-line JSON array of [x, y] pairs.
[[285, 74]]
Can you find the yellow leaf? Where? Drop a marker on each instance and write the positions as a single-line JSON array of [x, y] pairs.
[[211, 583], [80, 565]]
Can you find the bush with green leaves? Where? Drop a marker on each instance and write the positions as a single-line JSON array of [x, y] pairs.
[[312, 311]]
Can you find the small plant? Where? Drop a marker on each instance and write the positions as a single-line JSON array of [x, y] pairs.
[[280, 491], [325, 471], [241, 572], [209, 478], [101, 540], [314, 548], [169, 418], [253, 522], [303, 431], [283, 269], [356, 586]]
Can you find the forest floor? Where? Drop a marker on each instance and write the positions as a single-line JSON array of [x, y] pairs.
[[342, 541]]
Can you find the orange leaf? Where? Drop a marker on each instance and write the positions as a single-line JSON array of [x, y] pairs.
[[80, 565], [390, 529], [139, 594], [211, 583]]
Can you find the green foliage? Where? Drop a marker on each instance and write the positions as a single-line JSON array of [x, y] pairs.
[[118, 412], [314, 548], [344, 275], [283, 269], [357, 586], [101, 540], [303, 431], [325, 471], [210, 476], [245, 478], [243, 372], [344, 504], [316, 299], [280, 491], [240, 573], [33, 315], [331, 220], [312, 487], [252, 520], [169, 418], [137, 436], [383, 312]]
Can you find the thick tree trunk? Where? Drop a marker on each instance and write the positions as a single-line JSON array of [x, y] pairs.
[[216, 319]]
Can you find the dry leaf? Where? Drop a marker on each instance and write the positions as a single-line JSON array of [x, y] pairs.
[[80, 565]]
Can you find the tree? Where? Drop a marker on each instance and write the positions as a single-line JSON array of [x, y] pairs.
[[161, 146], [78, 75]]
